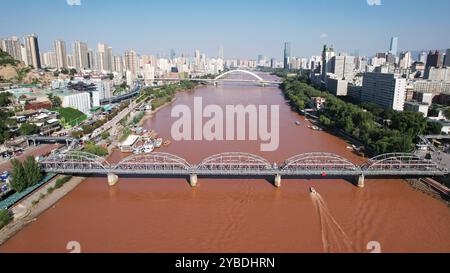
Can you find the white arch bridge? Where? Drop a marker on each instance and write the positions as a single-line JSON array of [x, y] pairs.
[[255, 78], [308, 165]]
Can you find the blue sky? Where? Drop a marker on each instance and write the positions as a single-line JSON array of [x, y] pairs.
[[245, 28]]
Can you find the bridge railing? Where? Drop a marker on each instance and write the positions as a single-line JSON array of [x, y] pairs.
[[400, 161], [242, 163]]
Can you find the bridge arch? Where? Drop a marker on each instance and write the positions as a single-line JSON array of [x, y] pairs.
[[400, 161], [154, 162], [74, 160], [318, 161], [234, 162], [239, 71]]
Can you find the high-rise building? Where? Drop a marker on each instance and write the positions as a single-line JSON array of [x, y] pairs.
[[197, 57], [70, 62], [405, 60], [131, 61], [287, 55], [221, 52], [423, 57], [91, 59], [385, 90], [118, 64], [80, 55], [49, 59], [12, 47], [342, 66], [447, 58], [32, 49], [434, 60], [23, 51], [61, 54], [273, 63], [393, 49], [149, 73], [104, 58], [327, 54], [172, 54]]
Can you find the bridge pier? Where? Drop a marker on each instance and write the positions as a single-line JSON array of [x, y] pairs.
[[215, 83], [113, 179], [193, 180], [361, 181], [277, 181]]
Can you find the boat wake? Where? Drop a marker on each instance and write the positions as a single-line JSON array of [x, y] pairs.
[[334, 238]]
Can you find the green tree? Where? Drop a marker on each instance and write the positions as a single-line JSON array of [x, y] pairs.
[[5, 99], [105, 135], [28, 129], [447, 113], [5, 217], [95, 149], [433, 128], [326, 121], [55, 100], [32, 171], [87, 129], [19, 179]]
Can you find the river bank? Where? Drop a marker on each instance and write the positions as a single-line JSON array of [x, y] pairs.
[[153, 112], [241, 215], [26, 211]]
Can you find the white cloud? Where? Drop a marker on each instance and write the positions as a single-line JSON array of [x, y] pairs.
[[374, 2], [73, 2], [323, 36]]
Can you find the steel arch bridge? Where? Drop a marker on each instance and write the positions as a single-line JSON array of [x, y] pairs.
[[244, 164], [399, 163], [318, 163], [234, 163], [74, 162], [239, 71], [161, 163]]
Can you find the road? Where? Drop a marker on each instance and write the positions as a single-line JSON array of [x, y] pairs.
[[5, 165], [113, 122]]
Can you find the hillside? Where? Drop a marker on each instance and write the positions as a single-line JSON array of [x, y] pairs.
[[14, 71]]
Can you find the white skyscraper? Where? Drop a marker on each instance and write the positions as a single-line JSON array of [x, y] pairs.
[[118, 64], [405, 60], [149, 73], [221, 52], [386, 90], [342, 66], [104, 58], [49, 59], [80, 55], [61, 54], [131, 62]]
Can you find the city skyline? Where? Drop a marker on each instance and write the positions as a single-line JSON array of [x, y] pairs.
[[239, 38]]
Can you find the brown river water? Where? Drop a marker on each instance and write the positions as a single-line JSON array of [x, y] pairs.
[[240, 215]]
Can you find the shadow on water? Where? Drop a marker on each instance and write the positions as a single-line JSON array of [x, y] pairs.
[[269, 179]]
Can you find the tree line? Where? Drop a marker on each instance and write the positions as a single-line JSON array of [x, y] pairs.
[[25, 174], [381, 131]]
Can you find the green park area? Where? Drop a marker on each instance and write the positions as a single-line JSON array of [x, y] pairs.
[[70, 116]]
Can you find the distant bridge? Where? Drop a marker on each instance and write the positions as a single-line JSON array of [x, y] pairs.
[[242, 164], [51, 139], [221, 78]]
